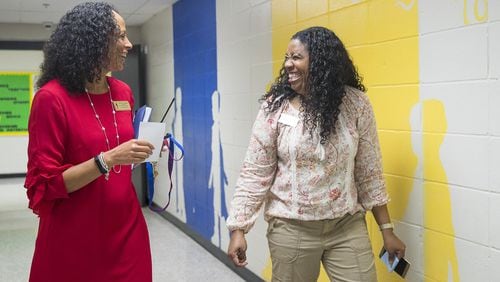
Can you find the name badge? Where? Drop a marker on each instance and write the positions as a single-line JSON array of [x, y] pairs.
[[288, 120], [121, 105]]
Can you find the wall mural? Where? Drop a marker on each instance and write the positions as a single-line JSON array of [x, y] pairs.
[[412, 126], [201, 181]]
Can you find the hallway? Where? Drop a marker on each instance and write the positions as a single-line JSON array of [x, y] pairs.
[[176, 257]]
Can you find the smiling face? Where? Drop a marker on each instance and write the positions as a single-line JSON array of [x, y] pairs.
[[118, 50], [297, 66]]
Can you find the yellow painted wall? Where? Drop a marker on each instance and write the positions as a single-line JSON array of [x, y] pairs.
[[383, 40]]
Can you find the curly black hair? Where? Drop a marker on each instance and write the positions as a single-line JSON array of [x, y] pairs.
[[330, 71], [77, 50]]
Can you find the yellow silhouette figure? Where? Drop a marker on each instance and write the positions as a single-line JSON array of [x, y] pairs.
[[439, 239]]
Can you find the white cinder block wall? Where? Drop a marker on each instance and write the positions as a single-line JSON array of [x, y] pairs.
[[494, 140], [244, 60], [459, 47], [157, 39]]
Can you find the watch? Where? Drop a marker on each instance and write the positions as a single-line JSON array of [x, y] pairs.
[[388, 225]]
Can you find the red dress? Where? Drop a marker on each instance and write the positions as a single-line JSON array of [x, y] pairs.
[[97, 233]]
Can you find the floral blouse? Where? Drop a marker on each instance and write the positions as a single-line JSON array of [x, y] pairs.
[[297, 177]]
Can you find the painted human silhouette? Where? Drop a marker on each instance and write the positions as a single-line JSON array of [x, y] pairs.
[[440, 257], [177, 174], [218, 179]]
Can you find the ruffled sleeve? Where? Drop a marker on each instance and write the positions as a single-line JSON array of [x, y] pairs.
[[368, 171], [47, 126], [257, 174]]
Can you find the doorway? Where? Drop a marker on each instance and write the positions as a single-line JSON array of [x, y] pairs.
[[134, 75]]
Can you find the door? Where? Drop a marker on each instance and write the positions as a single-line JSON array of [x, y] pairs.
[[134, 75]]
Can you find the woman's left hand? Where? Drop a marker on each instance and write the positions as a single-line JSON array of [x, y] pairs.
[[393, 245]]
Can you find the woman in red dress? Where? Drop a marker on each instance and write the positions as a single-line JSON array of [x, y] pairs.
[[80, 154]]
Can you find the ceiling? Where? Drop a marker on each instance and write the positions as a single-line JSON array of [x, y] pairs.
[[135, 12]]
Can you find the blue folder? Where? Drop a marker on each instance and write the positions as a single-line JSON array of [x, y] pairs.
[[141, 115]]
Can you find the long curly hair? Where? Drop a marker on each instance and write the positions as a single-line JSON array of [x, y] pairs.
[[330, 71], [77, 50]]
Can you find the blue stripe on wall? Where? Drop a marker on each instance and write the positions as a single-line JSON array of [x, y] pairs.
[[195, 72]]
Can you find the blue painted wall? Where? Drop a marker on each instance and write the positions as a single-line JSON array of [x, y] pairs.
[[195, 72]]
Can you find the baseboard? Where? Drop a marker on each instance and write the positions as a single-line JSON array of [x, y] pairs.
[[12, 175]]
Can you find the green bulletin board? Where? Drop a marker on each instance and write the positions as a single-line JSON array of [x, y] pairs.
[[16, 90]]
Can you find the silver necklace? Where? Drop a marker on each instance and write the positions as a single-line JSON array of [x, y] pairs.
[[102, 126]]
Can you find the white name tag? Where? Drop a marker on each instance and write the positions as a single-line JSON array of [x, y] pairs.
[[288, 120]]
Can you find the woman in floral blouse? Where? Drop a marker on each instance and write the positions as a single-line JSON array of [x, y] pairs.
[[314, 160]]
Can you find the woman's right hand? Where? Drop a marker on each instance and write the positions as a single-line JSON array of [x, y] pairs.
[[131, 152], [237, 250]]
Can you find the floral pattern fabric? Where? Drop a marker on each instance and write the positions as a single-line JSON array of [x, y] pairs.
[[295, 176]]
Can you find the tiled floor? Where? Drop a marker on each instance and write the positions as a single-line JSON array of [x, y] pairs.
[[176, 257]]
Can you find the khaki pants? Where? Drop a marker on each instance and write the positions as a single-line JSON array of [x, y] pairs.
[[342, 245]]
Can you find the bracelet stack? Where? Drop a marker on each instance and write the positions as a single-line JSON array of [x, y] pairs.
[[101, 165]]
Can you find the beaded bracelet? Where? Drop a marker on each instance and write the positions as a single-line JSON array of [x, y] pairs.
[[101, 165]]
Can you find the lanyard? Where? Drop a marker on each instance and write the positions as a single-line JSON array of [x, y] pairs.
[[171, 143]]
